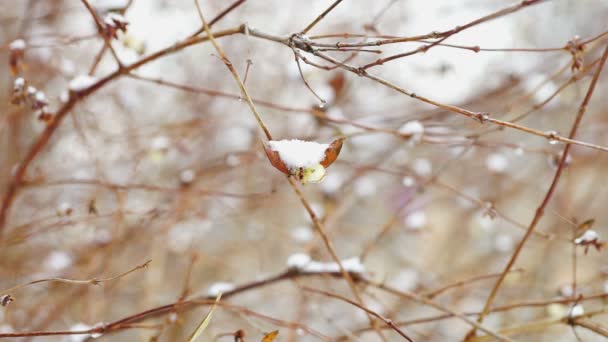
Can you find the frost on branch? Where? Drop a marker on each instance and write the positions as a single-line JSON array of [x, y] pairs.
[[306, 160], [81, 82], [303, 263]]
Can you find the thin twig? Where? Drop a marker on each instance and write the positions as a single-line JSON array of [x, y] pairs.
[[540, 210]]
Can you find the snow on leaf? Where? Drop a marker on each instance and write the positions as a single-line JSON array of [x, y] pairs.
[[306, 160]]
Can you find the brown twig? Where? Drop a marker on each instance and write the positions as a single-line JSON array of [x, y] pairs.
[[540, 210]]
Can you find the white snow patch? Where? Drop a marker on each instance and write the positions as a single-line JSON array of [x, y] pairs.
[[298, 153], [588, 236], [187, 176], [497, 162], [81, 82], [414, 129], [408, 181], [416, 220], [57, 261], [298, 260], [160, 143], [422, 167], [81, 337], [220, 287], [503, 243], [17, 44], [302, 234], [576, 311], [305, 264]]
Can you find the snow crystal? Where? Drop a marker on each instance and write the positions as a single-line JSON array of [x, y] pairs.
[[497, 162], [416, 220], [220, 287], [298, 153], [57, 261], [17, 44], [587, 237], [81, 82]]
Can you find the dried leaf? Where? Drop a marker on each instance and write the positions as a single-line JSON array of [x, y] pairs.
[[271, 336], [275, 159], [205, 322], [585, 225], [332, 152], [337, 84]]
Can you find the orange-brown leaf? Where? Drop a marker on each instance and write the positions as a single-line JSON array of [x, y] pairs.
[[332, 152], [275, 159]]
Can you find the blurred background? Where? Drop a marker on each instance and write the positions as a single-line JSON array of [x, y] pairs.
[[165, 164]]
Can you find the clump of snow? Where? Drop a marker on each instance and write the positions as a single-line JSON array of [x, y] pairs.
[[302, 234], [576, 311], [408, 181], [64, 209], [17, 45], [220, 287], [110, 5], [298, 260], [588, 236], [81, 337], [233, 160], [305, 264], [415, 220], [160, 143], [566, 290], [19, 83], [503, 243], [412, 129], [299, 153], [114, 20], [422, 166], [81, 82], [57, 261], [497, 162], [187, 176]]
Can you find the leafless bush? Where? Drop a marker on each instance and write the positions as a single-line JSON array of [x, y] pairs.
[[465, 204]]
